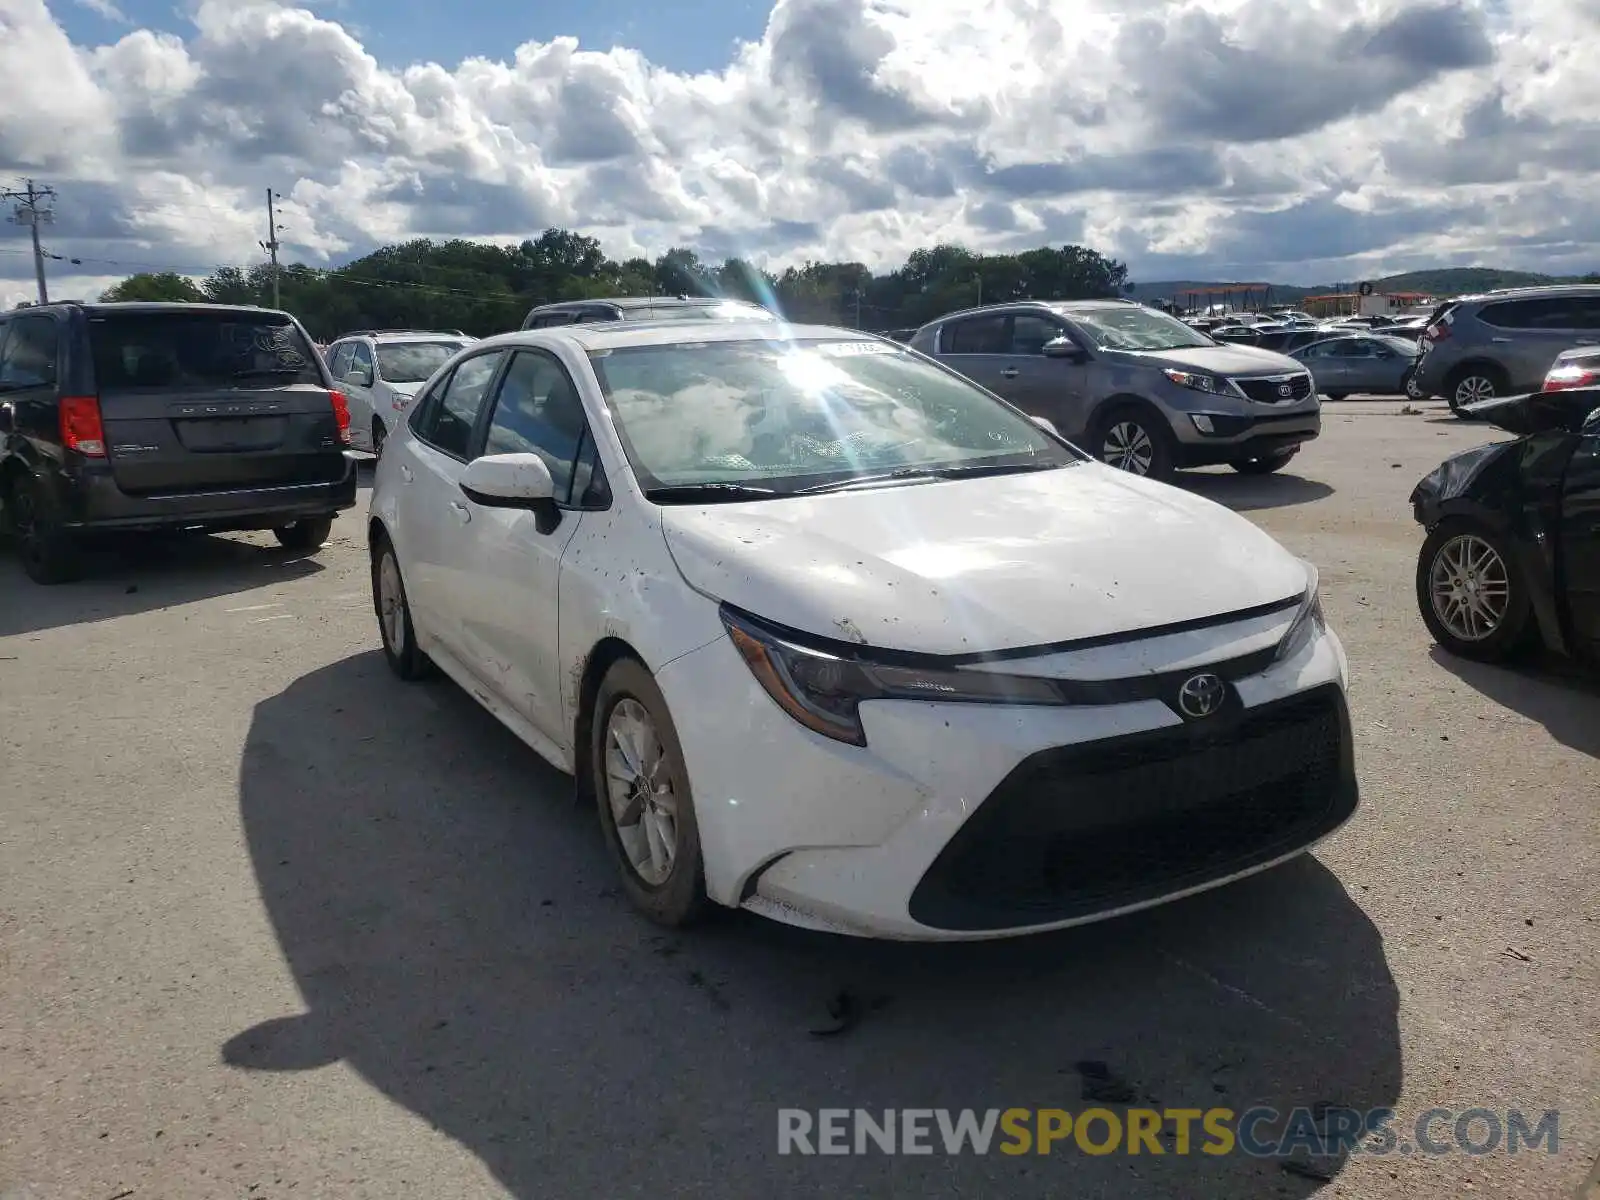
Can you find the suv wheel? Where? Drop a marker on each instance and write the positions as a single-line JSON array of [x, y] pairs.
[[1472, 384], [306, 534], [1132, 439], [48, 552]]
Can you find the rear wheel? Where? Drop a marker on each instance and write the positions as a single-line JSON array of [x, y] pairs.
[[394, 617], [1266, 464], [642, 790], [379, 432], [309, 533], [1408, 384], [48, 551], [1132, 438], [1469, 385], [1473, 597]]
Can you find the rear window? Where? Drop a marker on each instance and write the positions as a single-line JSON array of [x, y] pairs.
[[199, 350], [413, 362]]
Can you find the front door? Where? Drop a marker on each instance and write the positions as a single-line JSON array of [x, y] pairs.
[[511, 612], [1580, 536]]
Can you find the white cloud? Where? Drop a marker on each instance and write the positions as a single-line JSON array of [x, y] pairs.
[[1224, 137]]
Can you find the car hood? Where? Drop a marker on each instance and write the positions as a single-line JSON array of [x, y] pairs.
[[1228, 359], [962, 566]]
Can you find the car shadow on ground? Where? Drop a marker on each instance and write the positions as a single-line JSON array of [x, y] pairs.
[[139, 574], [1245, 493], [1556, 692], [452, 921]]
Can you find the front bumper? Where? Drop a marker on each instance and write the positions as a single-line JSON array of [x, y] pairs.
[[1220, 430], [95, 502], [950, 824]]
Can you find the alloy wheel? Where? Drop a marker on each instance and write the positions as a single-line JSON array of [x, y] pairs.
[[391, 603], [1128, 448], [1470, 587], [639, 789], [1473, 389]]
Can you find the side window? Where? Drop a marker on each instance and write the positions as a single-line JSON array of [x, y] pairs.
[[1362, 348], [1029, 333], [361, 360], [339, 360], [29, 356], [1322, 350], [1552, 313], [538, 412], [1586, 310], [447, 422], [978, 335], [590, 488]]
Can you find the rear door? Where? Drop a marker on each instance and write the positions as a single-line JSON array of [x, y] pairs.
[[209, 399], [358, 382], [1526, 335], [979, 347], [1580, 536]]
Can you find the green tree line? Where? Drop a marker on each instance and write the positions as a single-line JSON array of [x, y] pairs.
[[483, 289]]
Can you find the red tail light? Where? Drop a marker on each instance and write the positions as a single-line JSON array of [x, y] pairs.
[[1438, 331], [1561, 379], [81, 429], [341, 415]]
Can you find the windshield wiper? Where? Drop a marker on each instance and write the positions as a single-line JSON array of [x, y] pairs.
[[967, 471], [691, 493]]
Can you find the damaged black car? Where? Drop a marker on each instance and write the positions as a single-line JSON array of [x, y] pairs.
[[1512, 557]]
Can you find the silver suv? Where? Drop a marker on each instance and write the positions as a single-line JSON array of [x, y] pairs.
[[1502, 343], [1136, 388]]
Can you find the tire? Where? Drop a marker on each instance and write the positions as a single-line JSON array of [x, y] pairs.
[[1266, 464], [309, 533], [1334, 395], [678, 896], [1135, 435], [379, 433], [1512, 631], [1467, 385], [1408, 385], [48, 552], [393, 611]]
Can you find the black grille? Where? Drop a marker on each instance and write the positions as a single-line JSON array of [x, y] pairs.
[[1084, 829], [1267, 391]]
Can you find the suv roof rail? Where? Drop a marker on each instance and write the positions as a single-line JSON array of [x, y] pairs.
[[349, 333]]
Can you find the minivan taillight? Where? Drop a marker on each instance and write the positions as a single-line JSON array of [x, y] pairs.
[[341, 415], [81, 429]]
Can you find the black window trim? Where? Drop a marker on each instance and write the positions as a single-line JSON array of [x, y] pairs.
[[480, 434], [1009, 317], [431, 403]]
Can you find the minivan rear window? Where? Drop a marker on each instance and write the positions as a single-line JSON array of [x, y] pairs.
[[199, 350]]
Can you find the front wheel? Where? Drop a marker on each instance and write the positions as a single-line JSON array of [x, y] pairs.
[[1408, 385], [379, 433], [306, 534], [642, 790], [1472, 595], [1266, 464], [1133, 439]]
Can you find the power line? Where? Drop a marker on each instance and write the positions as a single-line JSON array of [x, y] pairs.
[[32, 210]]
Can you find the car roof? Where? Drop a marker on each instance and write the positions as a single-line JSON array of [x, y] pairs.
[[1063, 307], [1551, 290], [632, 302], [405, 335], [616, 335], [167, 306]]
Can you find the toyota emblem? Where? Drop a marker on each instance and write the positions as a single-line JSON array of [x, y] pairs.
[[1201, 695], [1285, 390]]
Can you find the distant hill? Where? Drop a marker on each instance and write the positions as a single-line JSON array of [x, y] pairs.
[[1444, 281]]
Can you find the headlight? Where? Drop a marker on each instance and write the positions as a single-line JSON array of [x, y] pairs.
[[822, 690], [1200, 383], [1308, 622]]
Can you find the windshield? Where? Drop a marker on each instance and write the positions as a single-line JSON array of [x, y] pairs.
[[413, 362], [783, 416], [1134, 328], [199, 349]]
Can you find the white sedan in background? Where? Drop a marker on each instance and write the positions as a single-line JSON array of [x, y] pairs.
[[380, 371], [832, 634]]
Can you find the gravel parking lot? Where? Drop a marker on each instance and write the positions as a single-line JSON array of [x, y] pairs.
[[272, 923]]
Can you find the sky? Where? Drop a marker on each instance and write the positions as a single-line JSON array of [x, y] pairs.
[[1304, 142]]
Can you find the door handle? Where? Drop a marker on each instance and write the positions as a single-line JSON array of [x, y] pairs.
[[1500, 339], [461, 511], [405, 473], [1010, 373]]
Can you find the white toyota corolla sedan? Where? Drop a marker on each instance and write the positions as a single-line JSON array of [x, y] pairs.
[[827, 632]]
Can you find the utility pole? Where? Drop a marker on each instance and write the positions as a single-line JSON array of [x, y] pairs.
[[30, 211], [271, 244]]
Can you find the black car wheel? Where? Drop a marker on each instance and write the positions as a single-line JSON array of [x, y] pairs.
[[1471, 593], [1266, 464], [309, 533], [642, 791], [1134, 439], [48, 551], [379, 433], [1470, 385]]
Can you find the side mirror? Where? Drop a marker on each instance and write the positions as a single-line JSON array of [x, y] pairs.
[[1065, 348], [1046, 424], [358, 377], [513, 481]]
